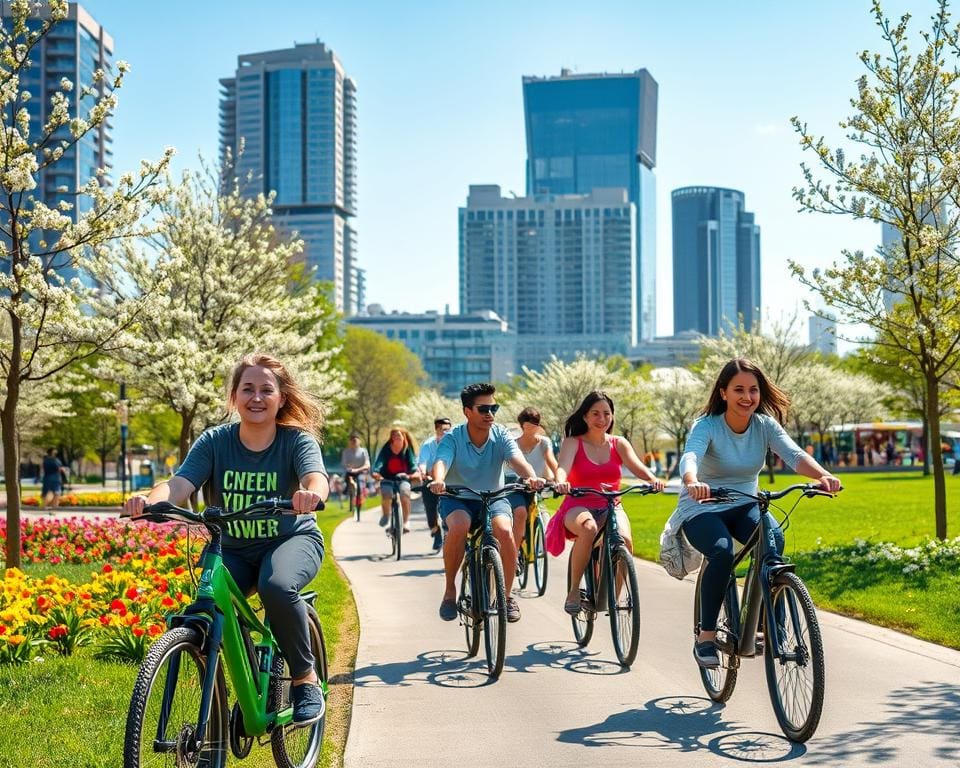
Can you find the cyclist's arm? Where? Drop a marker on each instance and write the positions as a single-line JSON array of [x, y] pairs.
[[176, 490], [439, 474], [568, 450], [633, 463], [366, 462], [549, 459], [695, 449], [808, 467]]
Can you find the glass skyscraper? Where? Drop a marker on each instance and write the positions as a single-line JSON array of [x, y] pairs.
[[716, 261], [73, 49], [295, 111], [600, 131]]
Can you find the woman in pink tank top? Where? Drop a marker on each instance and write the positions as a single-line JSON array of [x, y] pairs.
[[590, 456]]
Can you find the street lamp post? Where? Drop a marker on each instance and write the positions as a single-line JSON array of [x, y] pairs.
[[124, 416]]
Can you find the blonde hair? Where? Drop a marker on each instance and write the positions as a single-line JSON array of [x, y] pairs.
[[300, 409]]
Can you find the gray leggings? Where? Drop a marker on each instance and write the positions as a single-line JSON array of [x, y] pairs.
[[279, 570]]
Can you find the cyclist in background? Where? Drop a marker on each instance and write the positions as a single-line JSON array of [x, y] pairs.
[[355, 460], [428, 453], [397, 457], [271, 452], [538, 451], [590, 456], [472, 454], [727, 447]]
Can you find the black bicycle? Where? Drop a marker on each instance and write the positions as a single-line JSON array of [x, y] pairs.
[[775, 602], [354, 482], [482, 602], [609, 581], [395, 526]]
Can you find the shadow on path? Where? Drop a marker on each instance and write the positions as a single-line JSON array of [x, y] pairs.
[[446, 668], [684, 724], [930, 709]]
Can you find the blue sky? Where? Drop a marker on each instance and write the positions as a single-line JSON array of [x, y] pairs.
[[440, 108]]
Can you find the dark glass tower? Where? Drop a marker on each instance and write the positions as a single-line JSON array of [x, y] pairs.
[[296, 112], [599, 131], [716, 260]]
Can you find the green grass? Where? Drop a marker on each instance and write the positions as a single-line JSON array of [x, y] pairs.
[[71, 711], [877, 507]]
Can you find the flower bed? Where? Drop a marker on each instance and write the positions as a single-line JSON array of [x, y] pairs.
[[118, 611], [91, 499], [945, 553]]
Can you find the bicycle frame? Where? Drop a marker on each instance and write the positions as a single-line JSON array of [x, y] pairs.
[[533, 514], [608, 538]]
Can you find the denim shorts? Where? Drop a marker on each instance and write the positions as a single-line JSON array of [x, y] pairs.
[[386, 489], [498, 508], [520, 499]]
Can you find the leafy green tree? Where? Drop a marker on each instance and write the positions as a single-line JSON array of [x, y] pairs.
[[381, 374], [51, 317], [903, 173]]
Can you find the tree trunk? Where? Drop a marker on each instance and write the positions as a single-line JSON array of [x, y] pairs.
[[925, 442], [936, 456]]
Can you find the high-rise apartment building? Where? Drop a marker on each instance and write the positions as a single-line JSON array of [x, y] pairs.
[[716, 261], [74, 49], [295, 112], [559, 269], [600, 131]]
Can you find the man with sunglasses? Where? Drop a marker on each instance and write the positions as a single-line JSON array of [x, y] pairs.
[[472, 454], [428, 454]]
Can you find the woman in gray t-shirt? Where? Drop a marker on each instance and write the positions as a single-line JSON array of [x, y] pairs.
[[727, 447], [271, 452]]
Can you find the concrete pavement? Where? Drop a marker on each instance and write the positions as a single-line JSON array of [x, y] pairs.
[[891, 700]]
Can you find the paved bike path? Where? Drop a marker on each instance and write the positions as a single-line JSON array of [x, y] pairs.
[[891, 700]]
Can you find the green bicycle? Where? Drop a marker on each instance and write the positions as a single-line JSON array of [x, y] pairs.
[[178, 711]]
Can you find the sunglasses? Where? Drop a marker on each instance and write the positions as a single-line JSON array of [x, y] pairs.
[[485, 409]]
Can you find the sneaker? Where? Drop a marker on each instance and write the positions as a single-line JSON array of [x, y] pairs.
[[448, 609], [706, 654], [437, 540], [406, 529], [384, 519], [513, 610], [308, 703]]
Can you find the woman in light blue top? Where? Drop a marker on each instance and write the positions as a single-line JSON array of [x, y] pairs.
[[727, 448]]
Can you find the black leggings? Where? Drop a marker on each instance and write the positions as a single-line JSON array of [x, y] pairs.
[[713, 533], [278, 571], [430, 503]]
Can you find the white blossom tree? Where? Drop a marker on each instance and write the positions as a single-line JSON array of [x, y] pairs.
[[681, 396], [418, 412], [903, 171], [59, 297], [239, 289]]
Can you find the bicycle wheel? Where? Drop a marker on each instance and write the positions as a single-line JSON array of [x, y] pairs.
[[469, 609], [720, 682], [523, 562], [624, 605], [796, 681], [298, 746], [583, 621], [539, 556], [494, 611], [396, 521], [162, 719], [356, 497]]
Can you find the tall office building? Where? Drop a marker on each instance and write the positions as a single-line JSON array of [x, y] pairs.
[[73, 49], [295, 110], [823, 334], [716, 261], [558, 269], [600, 131]]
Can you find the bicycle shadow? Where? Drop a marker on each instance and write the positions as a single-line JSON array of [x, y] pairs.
[[416, 573], [562, 654], [685, 724], [445, 668], [927, 709]]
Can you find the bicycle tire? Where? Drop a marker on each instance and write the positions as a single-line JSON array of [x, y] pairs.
[[357, 499], [523, 562], [177, 654], [623, 604], [583, 621], [803, 672], [720, 682], [540, 556], [494, 611], [298, 747], [396, 520], [469, 612]]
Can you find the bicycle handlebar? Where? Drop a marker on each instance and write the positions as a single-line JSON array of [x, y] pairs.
[[643, 490], [164, 512], [497, 493], [723, 495]]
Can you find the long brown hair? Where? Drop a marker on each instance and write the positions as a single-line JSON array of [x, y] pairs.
[[773, 400], [300, 409]]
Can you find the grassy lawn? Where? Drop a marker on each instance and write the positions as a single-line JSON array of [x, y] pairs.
[[877, 507], [79, 704]]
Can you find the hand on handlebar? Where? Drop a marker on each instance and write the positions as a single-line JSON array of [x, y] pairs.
[[305, 502], [561, 489], [437, 487], [534, 483], [830, 484], [657, 484], [698, 491], [133, 506]]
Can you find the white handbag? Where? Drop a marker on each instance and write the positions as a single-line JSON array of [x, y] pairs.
[[677, 555]]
